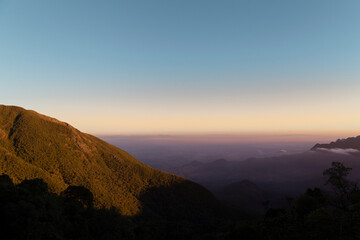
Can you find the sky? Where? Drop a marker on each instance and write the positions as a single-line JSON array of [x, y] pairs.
[[186, 66]]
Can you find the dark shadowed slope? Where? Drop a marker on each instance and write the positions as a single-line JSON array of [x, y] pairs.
[[244, 194], [36, 146]]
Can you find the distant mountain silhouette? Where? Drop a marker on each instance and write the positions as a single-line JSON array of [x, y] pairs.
[[36, 146], [348, 143], [289, 174]]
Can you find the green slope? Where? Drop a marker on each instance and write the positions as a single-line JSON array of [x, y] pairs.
[[36, 146]]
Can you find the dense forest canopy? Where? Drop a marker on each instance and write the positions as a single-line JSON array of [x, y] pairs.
[[32, 212]]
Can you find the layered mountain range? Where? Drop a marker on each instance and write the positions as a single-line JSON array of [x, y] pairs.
[[272, 178]]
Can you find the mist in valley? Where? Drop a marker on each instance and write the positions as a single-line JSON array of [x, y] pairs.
[[168, 151], [242, 170]]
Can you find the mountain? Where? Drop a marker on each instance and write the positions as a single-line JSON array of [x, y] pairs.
[[215, 172], [347, 143], [288, 174], [36, 146]]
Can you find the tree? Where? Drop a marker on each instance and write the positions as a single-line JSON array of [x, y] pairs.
[[310, 201], [341, 185], [79, 194]]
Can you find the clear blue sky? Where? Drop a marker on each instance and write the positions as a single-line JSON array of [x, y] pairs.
[[175, 66]]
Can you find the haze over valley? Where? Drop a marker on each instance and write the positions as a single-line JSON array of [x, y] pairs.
[[168, 151], [268, 165]]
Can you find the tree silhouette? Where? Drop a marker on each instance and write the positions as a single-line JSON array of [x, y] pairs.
[[79, 194], [341, 185]]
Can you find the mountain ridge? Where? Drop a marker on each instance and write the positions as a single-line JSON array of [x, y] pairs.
[[33, 145], [345, 143]]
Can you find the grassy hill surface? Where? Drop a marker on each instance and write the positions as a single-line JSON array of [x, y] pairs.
[[36, 146]]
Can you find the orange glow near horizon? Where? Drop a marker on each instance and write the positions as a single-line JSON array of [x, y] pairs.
[[302, 112], [280, 125], [324, 125], [244, 137]]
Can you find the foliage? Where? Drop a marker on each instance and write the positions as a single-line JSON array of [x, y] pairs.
[[33, 212], [30, 211], [314, 216], [337, 179], [80, 194]]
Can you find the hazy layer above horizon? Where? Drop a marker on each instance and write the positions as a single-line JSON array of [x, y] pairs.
[[168, 151], [224, 138]]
